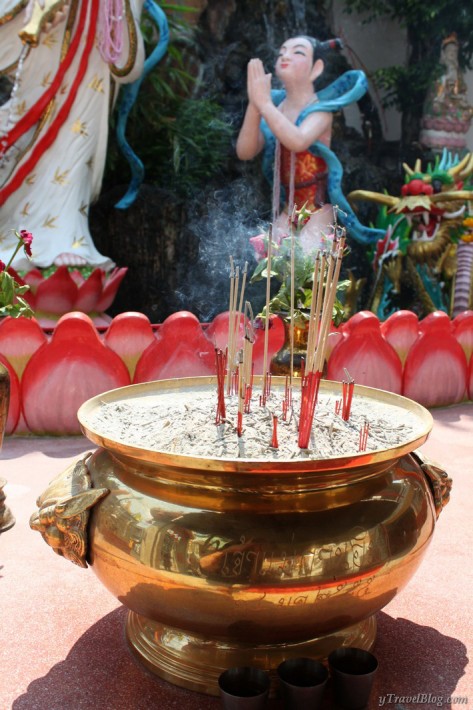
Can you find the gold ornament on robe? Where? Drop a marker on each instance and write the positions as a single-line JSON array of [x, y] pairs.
[[40, 18]]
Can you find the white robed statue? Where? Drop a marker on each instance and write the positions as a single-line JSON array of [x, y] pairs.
[[64, 63]]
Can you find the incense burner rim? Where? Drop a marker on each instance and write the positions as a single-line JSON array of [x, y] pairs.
[[381, 458]]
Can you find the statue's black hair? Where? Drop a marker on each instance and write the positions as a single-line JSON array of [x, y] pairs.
[[320, 49]]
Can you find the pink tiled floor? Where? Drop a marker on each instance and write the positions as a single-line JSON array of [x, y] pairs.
[[62, 643]]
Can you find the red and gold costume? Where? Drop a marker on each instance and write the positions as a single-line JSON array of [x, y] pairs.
[[310, 178]]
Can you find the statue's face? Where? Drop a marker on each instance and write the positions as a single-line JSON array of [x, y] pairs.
[[450, 52], [295, 59]]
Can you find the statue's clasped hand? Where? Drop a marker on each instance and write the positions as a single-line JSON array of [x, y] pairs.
[[259, 84]]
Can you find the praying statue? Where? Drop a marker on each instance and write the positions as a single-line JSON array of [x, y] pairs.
[[292, 126], [447, 114], [62, 63]]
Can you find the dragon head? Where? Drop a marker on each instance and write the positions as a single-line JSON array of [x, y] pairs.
[[428, 198]]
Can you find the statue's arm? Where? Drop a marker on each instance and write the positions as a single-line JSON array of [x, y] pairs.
[[250, 139], [315, 127]]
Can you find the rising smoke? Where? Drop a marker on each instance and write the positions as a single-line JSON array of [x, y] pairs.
[[223, 227]]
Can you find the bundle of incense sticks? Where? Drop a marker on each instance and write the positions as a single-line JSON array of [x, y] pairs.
[[266, 384], [324, 290], [234, 317], [291, 302], [245, 369], [310, 391]]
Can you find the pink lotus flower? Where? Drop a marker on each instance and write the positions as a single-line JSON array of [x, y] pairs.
[[27, 239], [259, 244], [66, 291]]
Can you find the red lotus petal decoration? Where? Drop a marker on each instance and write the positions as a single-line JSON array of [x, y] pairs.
[[470, 380], [33, 278], [66, 372], [74, 364], [336, 335], [437, 321], [78, 278], [463, 331], [19, 339], [217, 332], [401, 330], [66, 291], [435, 373], [57, 293], [276, 338], [89, 292], [181, 350], [110, 287], [14, 407], [369, 359], [129, 334]]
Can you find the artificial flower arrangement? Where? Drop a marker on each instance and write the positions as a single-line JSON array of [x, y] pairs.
[[281, 257], [11, 301]]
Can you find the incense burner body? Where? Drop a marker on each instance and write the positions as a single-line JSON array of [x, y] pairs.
[[225, 563]]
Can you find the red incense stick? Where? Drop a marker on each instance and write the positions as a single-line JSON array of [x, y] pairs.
[[287, 401], [364, 431], [247, 399], [240, 423], [274, 440], [221, 362], [347, 395]]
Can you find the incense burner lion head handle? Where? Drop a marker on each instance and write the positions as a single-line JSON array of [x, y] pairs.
[[439, 481], [64, 510]]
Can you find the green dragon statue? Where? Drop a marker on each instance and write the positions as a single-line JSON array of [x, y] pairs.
[[420, 264]]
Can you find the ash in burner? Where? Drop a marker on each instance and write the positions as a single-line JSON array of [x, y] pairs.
[[184, 423]]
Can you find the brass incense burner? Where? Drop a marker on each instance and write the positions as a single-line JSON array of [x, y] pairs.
[[242, 562]]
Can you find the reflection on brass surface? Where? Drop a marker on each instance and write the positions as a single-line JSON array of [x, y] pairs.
[[64, 512], [196, 662], [281, 361], [6, 518], [238, 562], [439, 480]]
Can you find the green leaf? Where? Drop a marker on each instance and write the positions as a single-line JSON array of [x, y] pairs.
[[260, 272], [343, 285], [7, 290]]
